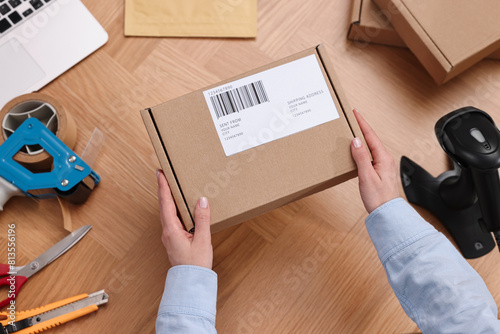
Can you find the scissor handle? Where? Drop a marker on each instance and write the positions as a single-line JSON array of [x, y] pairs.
[[14, 284], [4, 269]]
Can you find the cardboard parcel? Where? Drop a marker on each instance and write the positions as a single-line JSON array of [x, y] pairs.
[[370, 24], [447, 36], [257, 141]]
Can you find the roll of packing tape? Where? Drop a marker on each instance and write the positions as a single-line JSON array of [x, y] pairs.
[[47, 110]]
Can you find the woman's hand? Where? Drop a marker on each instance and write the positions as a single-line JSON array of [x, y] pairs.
[[184, 248], [378, 181]]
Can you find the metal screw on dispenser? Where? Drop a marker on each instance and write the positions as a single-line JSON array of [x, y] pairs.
[[64, 183], [72, 159]]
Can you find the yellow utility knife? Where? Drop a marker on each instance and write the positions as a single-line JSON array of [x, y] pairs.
[[51, 315]]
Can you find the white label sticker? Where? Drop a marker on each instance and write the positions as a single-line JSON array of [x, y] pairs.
[[270, 105]]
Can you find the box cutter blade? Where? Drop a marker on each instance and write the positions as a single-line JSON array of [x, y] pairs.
[[55, 314]]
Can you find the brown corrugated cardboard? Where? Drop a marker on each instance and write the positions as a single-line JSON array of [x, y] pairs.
[[369, 24], [244, 185], [447, 36]]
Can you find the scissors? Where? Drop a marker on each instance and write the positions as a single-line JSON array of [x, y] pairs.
[[15, 277]]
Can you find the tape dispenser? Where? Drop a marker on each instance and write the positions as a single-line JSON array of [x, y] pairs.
[[70, 176]]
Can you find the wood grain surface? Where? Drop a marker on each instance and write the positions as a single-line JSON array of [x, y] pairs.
[[308, 267]]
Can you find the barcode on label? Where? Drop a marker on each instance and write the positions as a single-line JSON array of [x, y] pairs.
[[238, 99]]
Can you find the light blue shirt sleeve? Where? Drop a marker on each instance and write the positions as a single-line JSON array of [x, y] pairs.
[[435, 285], [189, 301]]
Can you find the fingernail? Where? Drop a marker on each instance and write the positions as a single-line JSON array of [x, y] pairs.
[[356, 142], [203, 202], [355, 110]]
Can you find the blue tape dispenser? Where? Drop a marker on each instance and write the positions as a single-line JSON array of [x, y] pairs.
[[70, 176]]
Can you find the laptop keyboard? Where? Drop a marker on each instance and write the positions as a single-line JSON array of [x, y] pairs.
[[13, 12]]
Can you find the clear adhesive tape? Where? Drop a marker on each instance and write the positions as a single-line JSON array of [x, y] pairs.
[[47, 110]]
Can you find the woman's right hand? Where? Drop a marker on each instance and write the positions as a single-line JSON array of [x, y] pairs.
[[378, 181]]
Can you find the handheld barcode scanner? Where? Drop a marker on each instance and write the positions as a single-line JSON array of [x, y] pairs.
[[467, 198]]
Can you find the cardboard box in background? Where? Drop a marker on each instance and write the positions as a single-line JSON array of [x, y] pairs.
[[447, 36], [196, 139], [368, 24]]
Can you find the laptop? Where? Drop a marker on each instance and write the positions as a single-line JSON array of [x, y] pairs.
[[40, 40]]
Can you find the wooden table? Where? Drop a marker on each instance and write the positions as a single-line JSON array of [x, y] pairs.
[[308, 267]]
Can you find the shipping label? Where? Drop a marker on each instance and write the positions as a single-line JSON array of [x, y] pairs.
[[270, 105]]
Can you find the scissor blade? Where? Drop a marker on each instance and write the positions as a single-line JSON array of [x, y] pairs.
[[54, 252]]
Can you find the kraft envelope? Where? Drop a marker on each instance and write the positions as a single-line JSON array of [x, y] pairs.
[[193, 18]]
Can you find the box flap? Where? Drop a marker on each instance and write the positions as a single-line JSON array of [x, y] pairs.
[[184, 213], [356, 12]]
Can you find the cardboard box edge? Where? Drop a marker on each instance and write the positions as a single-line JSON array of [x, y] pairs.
[[364, 33], [472, 60], [355, 17], [337, 87], [154, 136], [421, 45], [280, 202]]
